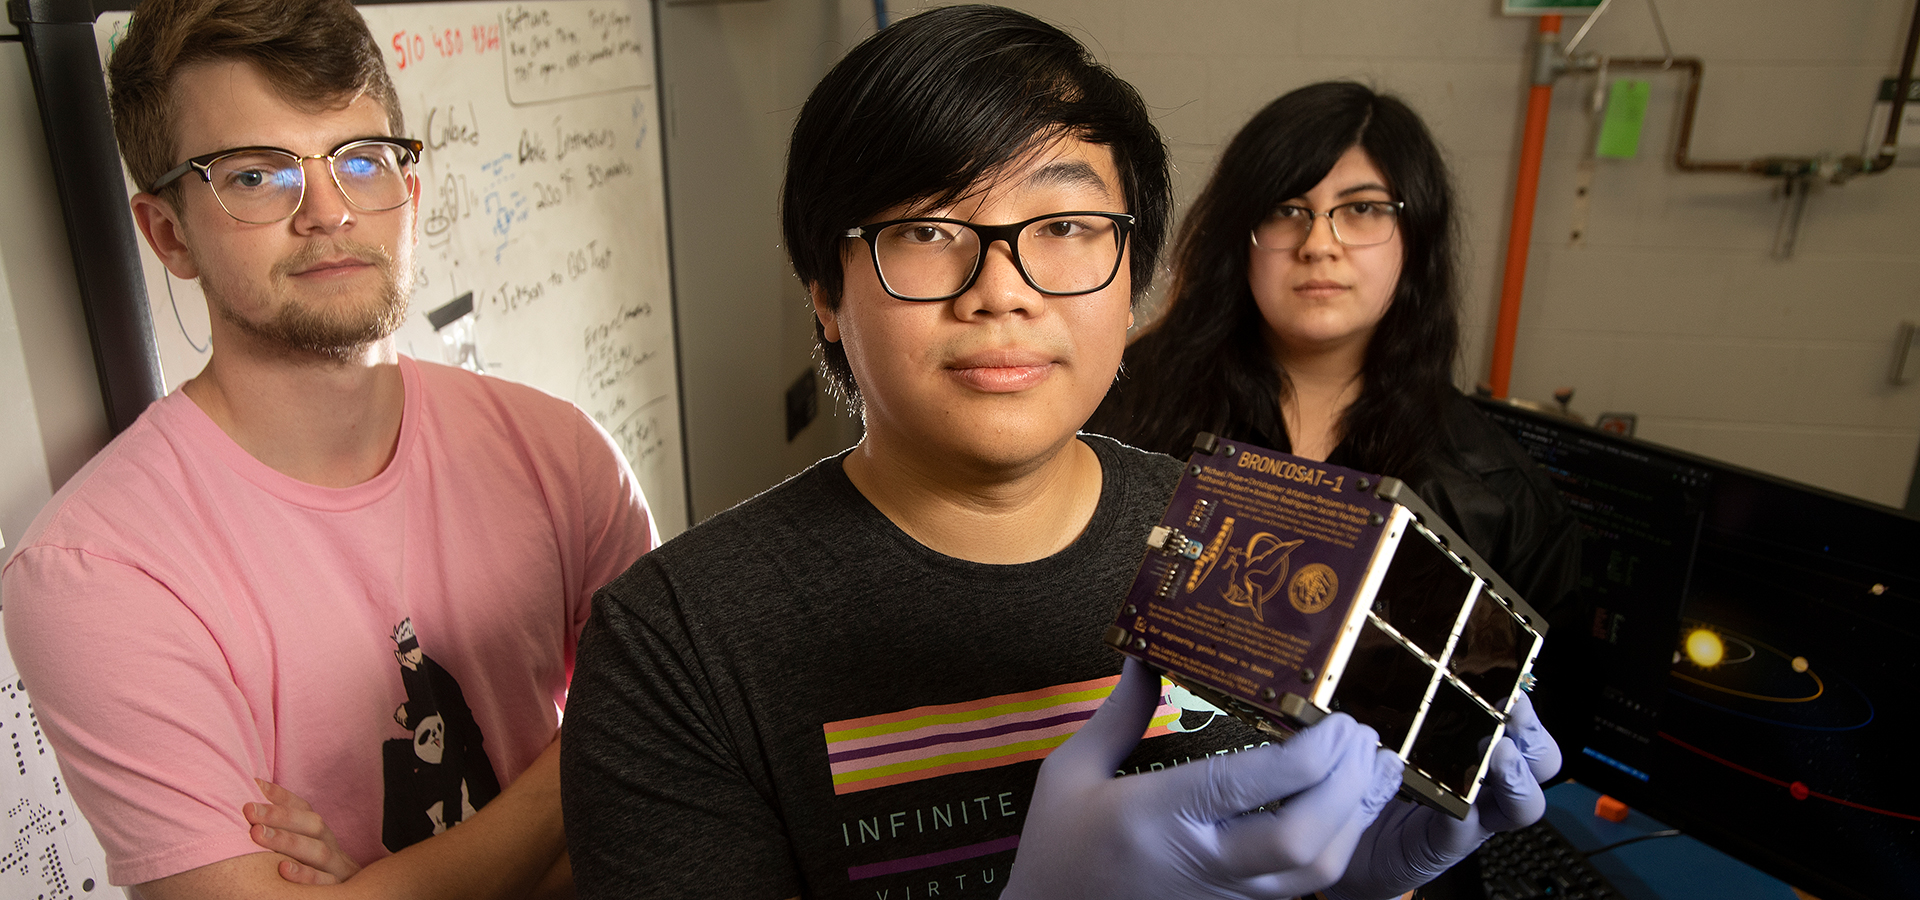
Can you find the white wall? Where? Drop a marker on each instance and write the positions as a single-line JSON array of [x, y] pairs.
[[734, 77], [1673, 308]]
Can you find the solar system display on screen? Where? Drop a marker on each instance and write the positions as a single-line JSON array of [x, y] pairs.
[[1282, 589], [1792, 700], [1752, 658]]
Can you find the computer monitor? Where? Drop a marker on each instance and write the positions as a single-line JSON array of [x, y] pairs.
[[1749, 658]]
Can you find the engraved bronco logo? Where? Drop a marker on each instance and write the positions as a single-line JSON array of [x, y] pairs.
[[1255, 573]]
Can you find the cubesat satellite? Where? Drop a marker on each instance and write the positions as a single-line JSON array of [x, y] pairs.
[[1281, 590]]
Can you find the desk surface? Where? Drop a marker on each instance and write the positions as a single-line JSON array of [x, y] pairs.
[[1667, 868]]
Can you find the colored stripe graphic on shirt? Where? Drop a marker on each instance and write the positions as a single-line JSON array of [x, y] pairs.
[[929, 741], [929, 860]]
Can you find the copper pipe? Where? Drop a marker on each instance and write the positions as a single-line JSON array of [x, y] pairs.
[[1891, 144], [1550, 63], [1683, 144], [1784, 166]]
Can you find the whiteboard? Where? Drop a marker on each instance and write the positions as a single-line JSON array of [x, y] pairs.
[[542, 205]]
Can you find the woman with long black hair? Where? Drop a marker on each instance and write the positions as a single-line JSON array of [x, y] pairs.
[[1314, 309]]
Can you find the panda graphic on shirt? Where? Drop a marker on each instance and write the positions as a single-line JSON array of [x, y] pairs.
[[440, 775]]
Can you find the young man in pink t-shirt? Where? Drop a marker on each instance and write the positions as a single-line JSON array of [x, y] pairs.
[[317, 610]]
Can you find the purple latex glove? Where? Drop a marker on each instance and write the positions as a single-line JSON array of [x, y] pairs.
[[1181, 832], [1410, 845]]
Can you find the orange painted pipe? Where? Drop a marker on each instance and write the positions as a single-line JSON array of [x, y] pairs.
[[1520, 232]]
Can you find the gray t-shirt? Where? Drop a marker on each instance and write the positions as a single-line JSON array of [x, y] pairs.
[[796, 697]]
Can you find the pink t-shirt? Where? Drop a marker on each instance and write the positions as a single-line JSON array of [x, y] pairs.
[[187, 619]]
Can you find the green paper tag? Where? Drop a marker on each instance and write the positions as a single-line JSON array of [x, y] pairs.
[[1626, 112]]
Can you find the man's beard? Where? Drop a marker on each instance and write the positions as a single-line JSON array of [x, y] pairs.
[[338, 332]]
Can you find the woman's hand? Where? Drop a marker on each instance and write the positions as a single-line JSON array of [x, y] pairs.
[[288, 825], [1410, 845]]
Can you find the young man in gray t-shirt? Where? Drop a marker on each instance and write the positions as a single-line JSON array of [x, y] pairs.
[[845, 686]]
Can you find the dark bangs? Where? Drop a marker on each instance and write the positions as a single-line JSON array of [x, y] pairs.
[[939, 104]]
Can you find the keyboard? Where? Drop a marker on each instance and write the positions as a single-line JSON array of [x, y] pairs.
[[1537, 863]]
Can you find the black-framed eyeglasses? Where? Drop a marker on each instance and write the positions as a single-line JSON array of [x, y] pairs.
[[261, 185], [1061, 253], [1361, 223]]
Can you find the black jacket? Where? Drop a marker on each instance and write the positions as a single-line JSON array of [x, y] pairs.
[[1494, 494]]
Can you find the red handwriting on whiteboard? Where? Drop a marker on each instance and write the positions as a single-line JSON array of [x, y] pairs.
[[413, 48], [409, 47], [448, 42], [486, 37]]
